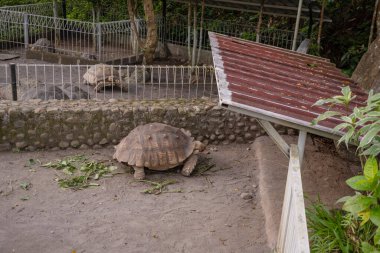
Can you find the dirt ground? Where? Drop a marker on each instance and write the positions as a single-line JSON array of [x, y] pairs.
[[209, 215]]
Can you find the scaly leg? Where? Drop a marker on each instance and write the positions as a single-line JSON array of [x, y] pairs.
[[189, 165], [139, 173]]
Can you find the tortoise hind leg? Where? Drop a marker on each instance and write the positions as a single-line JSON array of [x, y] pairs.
[[189, 165], [139, 173]]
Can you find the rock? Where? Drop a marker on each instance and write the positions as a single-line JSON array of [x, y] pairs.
[[5, 146], [21, 144], [246, 196], [103, 141], [83, 146], [162, 51], [69, 137], [42, 44], [75, 144], [59, 92], [63, 144], [138, 75]]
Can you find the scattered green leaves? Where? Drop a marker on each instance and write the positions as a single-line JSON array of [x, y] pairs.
[[25, 185], [159, 187], [80, 172]]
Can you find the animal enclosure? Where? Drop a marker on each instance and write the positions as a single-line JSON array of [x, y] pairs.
[[21, 26]]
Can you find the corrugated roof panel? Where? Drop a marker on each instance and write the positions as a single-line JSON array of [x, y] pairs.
[[277, 82]]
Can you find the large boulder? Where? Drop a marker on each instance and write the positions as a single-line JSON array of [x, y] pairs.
[[162, 51], [136, 76], [367, 73], [32, 89], [42, 44], [58, 91]]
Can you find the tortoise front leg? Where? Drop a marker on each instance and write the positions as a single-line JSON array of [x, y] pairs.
[[189, 165], [139, 173]]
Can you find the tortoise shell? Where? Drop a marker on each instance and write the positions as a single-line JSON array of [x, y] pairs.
[[101, 73], [155, 146]]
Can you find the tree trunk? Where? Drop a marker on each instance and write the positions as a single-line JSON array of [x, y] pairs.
[[321, 24], [201, 32], [56, 32], [94, 30], [367, 73], [189, 32], [195, 33], [136, 40], [260, 21], [373, 23], [151, 38]]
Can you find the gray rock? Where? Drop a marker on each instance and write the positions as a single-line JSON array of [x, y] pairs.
[[83, 146], [162, 51], [75, 144], [42, 44], [59, 92], [63, 144], [5, 146], [103, 141], [21, 144]]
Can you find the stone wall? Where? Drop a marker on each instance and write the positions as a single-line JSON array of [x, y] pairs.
[[36, 124]]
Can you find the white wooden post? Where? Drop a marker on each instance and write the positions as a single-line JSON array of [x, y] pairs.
[[26, 30], [297, 25], [293, 236]]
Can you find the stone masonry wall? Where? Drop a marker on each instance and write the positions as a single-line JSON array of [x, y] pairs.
[[36, 124]]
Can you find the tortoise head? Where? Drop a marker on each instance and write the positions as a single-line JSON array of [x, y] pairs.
[[199, 146]]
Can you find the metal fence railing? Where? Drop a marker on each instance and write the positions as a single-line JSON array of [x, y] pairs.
[[44, 9], [176, 32], [41, 81], [293, 234], [22, 26]]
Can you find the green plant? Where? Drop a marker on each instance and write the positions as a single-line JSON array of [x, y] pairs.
[[361, 127], [327, 233], [80, 171]]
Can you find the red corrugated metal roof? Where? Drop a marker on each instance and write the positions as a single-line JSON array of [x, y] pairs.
[[277, 82]]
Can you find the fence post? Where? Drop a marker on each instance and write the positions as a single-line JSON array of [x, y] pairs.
[[99, 39], [26, 30], [13, 81]]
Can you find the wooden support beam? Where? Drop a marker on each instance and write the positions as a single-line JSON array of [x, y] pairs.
[[275, 136], [301, 145]]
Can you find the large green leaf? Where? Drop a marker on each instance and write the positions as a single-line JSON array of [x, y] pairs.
[[371, 168], [373, 150], [376, 238], [370, 135], [359, 183], [324, 116], [358, 203], [375, 216], [368, 248]]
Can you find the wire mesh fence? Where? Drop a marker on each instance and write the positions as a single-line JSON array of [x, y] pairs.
[[101, 81]]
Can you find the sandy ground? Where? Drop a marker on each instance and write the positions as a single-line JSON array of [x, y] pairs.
[[208, 216]]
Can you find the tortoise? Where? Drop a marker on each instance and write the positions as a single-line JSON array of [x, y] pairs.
[[160, 147], [102, 75]]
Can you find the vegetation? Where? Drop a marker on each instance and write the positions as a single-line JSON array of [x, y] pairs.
[[360, 127], [79, 173]]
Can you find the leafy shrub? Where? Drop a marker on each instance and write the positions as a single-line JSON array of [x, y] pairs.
[[361, 127]]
